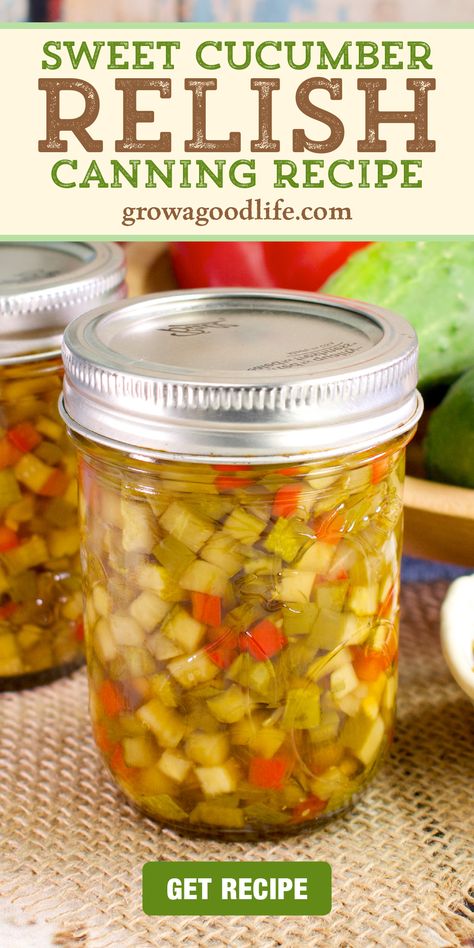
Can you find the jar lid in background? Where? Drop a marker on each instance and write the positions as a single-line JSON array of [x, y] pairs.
[[45, 285], [245, 375]]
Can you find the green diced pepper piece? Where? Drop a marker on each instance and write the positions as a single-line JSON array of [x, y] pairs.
[[173, 555], [214, 815], [332, 595], [285, 539], [164, 807], [9, 490], [302, 709], [261, 813], [299, 618], [23, 587]]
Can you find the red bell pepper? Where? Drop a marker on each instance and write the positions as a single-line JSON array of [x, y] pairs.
[[8, 609], [225, 482], [8, 539], [369, 663], [206, 608], [223, 649], [56, 485], [118, 765], [299, 265], [24, 437], [9, 455], [268, 774], [329, 526], [111, 699], [102, 738], [308, 809], [285, 501], [380, 468], [263, 640]]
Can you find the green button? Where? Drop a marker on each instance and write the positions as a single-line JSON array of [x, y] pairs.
[[236, 888]]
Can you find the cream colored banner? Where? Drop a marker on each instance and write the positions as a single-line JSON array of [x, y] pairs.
[[274, 132]]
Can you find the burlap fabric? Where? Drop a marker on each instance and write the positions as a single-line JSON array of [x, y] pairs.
[[402, 860]]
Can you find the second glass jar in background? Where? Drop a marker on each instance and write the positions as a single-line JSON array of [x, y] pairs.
[[42, 287], [241, 541]]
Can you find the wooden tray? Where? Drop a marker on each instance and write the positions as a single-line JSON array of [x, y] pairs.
[[439, 519]]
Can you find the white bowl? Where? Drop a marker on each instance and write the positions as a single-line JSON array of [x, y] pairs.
[[457, 632]]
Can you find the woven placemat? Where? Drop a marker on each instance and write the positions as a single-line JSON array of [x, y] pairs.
[[402, 860]]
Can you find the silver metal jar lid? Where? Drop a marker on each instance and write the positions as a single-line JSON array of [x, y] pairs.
[[45, 285], [240, 375]]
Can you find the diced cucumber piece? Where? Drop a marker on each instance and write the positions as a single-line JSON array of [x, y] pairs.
[[302, 708], [192, 670], [209, 750], [326, 664], [32, 552], [332, 781], [322, 481], [186, 525], [162, 648], [148, 610], [204, 577], [166, 724], [317, 558], [174, 766], [298, 618], [370, 706], [343, 680], [101, 600], [266, 566], [332, 629], [183, 630], [217, 780], [138, 662], [104, 642], [64, 542], [262, 814], [158, 580], [221, 550], [138, 527], [230, 706], [164, 807], [212, 506], [214, 815], [139, 751], [295, 585], [331, 596], [173, 555], [267, 741], [285, 539], [30, 471], [350, 704], [327, 728], [366, 569], [364, 600], [358, 478], [242, 732], [363, 737], [244, 526], [126, 631], [390, 694], [163, 687], [257, 676]]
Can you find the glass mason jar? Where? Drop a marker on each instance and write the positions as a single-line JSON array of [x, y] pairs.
[[241, 466], [42, 286]]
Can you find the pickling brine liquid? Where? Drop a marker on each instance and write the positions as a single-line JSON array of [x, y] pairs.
[[41, 626], [241, 631]]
